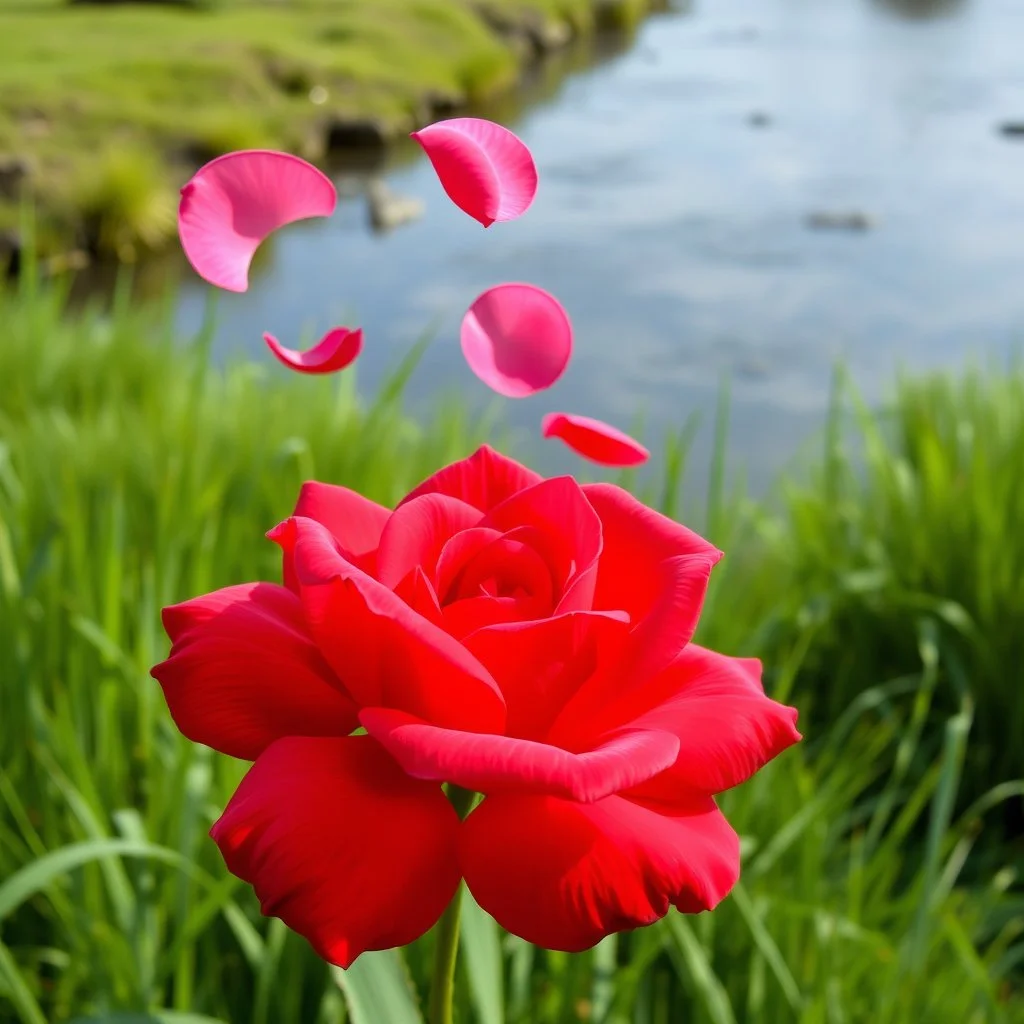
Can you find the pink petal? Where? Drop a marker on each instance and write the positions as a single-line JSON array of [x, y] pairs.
[[334, 351], [594, 440], [342, 845], [234, 202], [486, 170], [243, 671], [484, 479], [563, 875], [487, 763], [517, 339]]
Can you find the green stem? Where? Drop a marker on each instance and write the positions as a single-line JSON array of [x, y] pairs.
[[442, 991]]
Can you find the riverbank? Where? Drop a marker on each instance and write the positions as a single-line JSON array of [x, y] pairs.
[[106, 108], [879, 876]]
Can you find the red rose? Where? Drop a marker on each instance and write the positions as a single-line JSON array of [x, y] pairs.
[[528, 639]]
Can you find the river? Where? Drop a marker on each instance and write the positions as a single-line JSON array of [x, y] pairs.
[[677, 182]]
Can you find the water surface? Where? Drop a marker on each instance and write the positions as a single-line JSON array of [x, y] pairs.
[[676, 183]]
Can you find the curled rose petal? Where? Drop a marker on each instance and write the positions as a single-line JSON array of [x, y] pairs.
[[490, 763], [334, 351], [486, 170], [600, 442], [234, 202], [517, 339]]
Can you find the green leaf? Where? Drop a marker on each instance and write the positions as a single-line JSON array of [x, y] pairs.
[[154, 1017], [481, 950], [377, 988], [36, 876]]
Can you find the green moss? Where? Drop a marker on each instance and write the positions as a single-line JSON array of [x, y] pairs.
[[182, 84]]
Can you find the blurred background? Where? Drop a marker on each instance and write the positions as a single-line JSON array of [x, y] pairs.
[[789, 236]]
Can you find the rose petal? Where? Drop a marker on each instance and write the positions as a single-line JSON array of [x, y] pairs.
[[485, 169], [417, 532], [540, 665], [355, 522], [234, 202], [594, 440], [457, 551], [569, 528], [483, 480], [727, 728], [384, 653], [517, 339], [334, 351], [563, 875], [487, 763], [652, 645], [636, 541], [243, 671], [342, 845], [418, 593]]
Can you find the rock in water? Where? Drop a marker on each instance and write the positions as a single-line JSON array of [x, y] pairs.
[[389, 210]]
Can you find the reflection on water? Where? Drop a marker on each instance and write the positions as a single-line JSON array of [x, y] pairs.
[[696, 216]]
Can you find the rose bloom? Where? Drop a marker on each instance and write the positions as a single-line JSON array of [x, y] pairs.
[[524, 638]]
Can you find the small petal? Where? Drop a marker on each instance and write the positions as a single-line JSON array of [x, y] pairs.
[[517, 339], [488, 764], [334, 351], [485, 169], [342, 845], [418, 593], [483, 480], [243, 671], [636, 541], [563, 875], [234, 202], [594, 440], [385, 654]]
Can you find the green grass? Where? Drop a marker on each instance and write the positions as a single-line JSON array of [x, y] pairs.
[[915, 524], [132, 475], [166, 87]]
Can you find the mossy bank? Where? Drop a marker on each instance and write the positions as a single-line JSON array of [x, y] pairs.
[[104, 107]]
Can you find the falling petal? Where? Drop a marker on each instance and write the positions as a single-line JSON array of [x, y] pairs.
[[517, 339], [487, 171], [234, 202], [334, 351], [594, 440]]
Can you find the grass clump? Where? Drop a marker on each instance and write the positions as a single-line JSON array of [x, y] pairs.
[[913, 520], [133, 475]]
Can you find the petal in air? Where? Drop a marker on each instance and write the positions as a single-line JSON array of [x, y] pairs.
[[600, 442], [337, 349], [487, 171], [234, 202], [517, 339]]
